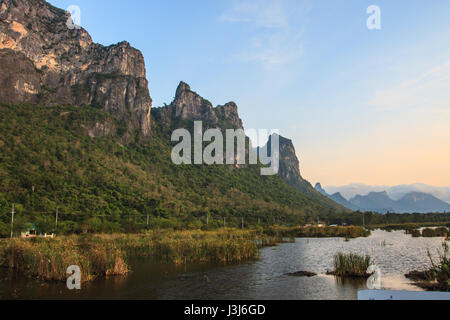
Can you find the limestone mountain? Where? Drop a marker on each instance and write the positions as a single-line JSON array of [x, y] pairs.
[[189, 106], [46, 62]]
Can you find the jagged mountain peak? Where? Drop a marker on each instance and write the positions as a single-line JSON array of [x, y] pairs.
[[282, 140], [319, 188], [182, 89], [289, 162], [190, 106]]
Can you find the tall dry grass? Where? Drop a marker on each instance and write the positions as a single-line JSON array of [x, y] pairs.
[[48, 259], [107, 255]]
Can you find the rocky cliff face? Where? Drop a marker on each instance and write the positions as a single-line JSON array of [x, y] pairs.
[[289, 170], [188, 106], [44, 61], [289, 164]]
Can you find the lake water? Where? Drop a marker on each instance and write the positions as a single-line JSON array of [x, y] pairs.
[[394, 252]]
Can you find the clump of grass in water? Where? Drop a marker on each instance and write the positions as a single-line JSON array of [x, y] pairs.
[[351, 265], [438, 232]]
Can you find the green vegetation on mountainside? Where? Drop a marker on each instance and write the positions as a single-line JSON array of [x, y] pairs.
[[47, 161]]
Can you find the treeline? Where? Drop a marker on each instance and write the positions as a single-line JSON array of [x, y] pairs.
[[420, 219], [348, 232]]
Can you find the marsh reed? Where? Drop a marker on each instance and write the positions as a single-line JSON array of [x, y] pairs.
[[351, 265]]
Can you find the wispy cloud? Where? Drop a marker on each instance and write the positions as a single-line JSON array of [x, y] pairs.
[[267, 14], [274, 49], [276, 30], [428, 92]]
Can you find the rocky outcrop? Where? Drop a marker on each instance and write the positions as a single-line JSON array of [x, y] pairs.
[[229, 115], [45, 61], [19, 78], [289, 163], [188, 106], [289, 170]]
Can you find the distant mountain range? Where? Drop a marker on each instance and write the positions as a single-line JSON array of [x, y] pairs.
[[336, 197], [394, 192], [381, 202]]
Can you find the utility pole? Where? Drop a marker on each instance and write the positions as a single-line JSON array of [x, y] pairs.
[[147, 219], [242, 222], [56, 220], [12, 220]]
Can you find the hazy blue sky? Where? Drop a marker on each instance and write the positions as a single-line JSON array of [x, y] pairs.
[[361, 105]]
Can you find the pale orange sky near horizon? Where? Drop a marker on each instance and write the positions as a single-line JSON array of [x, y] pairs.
[[391, 155]]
